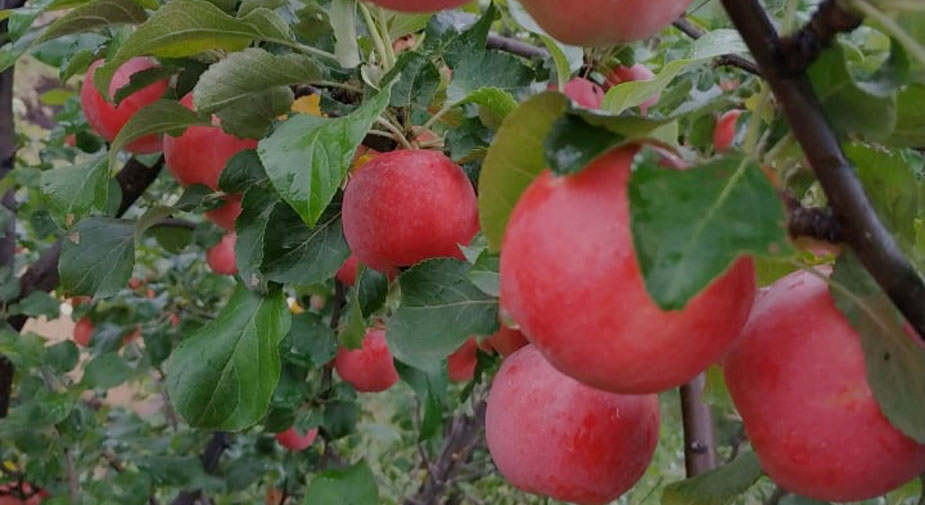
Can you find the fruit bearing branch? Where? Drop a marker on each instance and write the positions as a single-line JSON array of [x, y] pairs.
[[863, 230]]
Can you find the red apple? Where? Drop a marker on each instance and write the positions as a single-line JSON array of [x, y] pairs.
[[135, 283], [552, 435], [173, 319], [107, 119], [83, 330], [462, 362], [221, 257], [199, 155], [604, 22], [347, 274], [583, 92], [725, 132], [226, 215], [797, 376], [406, 206], [419, 5], [370, 369], [637, 72], [507, 340], [570, 278], [290, 439]]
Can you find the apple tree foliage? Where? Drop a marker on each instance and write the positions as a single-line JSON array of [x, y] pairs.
[[237, 359]]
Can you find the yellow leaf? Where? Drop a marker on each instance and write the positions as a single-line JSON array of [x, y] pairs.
[[308, 104]]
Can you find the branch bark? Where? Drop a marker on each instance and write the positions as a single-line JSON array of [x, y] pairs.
[[726, 60], [515, 46], [699, 430], [801, 49], [864, 232], [210, 458]]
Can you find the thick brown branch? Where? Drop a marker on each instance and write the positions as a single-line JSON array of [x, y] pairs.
[[726, 60], [801, 49], [864, 232], [814, 222], [699, 430]]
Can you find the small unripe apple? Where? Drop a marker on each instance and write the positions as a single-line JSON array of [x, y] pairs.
[[199, 155], [583, 92], [370, 369], [221, 257], [725, 132], [107, 119], [462, 362], [637, 72], [798, 378], [552, 435], [290, 439], [419, 5], [407, 206], [226, 215], [581, 298], [83, 330], [604, 22]]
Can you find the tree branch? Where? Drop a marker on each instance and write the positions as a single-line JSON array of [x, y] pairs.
[[699, 430], [515, 46], [864, 232], [726, 60], [801, 49], [210, 458]]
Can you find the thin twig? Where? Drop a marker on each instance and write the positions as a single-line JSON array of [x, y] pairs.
[[727, 60], [73, 480], [699, 430], [517, 47]]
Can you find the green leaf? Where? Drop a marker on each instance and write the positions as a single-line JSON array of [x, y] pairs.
[[249, 72], [496, 100], [372, 289], [633, 93], [352, 333], [39, 303], [417, 82], [162, 116], [343, 19], [719, 211], [514, 159], [311, 338], [895, 361], [440, 309], [307, 157], [354, 485], [73, 192], [62, 357], [187, 27], [848, 106], [716, 487], [252, 117], [105, 371], [718, 43], [223, 375], [910, 118], [97, 257], [483, 69], [251, 226], [573, 144], [142, 79], [242, 172], [340, 418], [297, 254], [485, 273]]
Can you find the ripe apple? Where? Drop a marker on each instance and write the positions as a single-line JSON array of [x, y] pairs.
[[107, 119], [370, 369], [570, 278], [604, 22], [725, 132], [221, 257], [226, 215], [347, 274], [797, 376], [552, 435], [462, 362], [406, 206], [134, 283], [507, 340], [419, 5], [637, 72], [199, 155], [290, 439], [83, 330], [583, 92]]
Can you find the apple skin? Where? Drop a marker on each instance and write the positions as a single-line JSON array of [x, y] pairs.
[[419, 5], [797, 376], [347, 273], [226, 215], [507, 341], [583, 92], [221, 257], [725, 132], [462, 362], [390, 220], [370, 369], [570, 278], [290, 439], [552, 435], [199, 155], [637, 72], [604, 22], [83, 331], [106, 119]]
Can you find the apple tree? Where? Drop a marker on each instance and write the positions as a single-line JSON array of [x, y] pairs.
[[444, 252]]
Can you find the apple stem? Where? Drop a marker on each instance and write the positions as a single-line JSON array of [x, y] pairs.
[[864, 231]]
